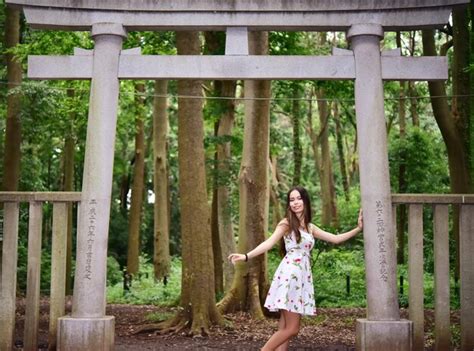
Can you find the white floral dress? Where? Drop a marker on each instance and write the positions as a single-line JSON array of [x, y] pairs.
[[292, 285]]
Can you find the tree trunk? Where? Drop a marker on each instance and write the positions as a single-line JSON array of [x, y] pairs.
[[328, 190], [224, 159], [401, 211], [314, 137], [274, 182], [161, 252], [471, 89], [216, 241], [250, 282], [461, 81], [457, 155], [68, 185], [197, 294], [340, 152], [221, 210], [297, 149], [138, 184], [411, 87], [12, 153]]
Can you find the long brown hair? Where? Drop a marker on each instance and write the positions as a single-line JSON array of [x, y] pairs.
[[293, 221]]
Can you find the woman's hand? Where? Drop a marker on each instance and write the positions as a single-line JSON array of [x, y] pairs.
[[235, 257], [360, 220]]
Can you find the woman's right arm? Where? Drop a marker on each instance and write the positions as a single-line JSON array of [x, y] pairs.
[[280, 230]]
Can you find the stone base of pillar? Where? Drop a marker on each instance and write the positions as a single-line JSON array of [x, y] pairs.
[[384, 335], [81, 334]]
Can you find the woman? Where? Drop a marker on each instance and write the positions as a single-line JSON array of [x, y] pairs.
[[292, 290]]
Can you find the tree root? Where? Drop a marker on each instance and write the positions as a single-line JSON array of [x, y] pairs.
[[173, 325]]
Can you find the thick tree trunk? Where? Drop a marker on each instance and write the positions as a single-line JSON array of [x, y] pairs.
[[12, 152], [161, 252], [297, 149], [250, 282], [138, 185], [328, 190], [68, 185], [340, 152], [197, 294], [457, 155]]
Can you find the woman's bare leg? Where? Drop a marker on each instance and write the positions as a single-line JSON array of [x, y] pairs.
[[281, 326], [291, 328]]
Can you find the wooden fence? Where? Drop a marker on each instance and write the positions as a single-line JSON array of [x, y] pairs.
[[8, 282], [440, 206]]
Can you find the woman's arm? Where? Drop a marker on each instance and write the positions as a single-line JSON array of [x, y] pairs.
[[280, 230], [340, 238]]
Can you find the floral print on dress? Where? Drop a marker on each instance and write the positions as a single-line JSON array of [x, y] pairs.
[[288, 290]]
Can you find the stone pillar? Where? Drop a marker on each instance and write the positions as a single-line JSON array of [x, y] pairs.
[[382, 330], [88, 328]]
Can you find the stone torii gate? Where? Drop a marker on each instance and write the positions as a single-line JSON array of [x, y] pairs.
[[364, 21]]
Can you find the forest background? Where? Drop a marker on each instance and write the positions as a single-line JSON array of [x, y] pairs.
[[164, 128]]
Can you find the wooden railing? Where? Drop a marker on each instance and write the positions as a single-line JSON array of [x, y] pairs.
[[8, 281], [440, 205]]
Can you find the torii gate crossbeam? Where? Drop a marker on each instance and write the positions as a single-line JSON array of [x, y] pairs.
[[365, 22]]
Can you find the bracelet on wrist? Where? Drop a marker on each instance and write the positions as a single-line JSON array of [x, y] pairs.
[[246, 258]]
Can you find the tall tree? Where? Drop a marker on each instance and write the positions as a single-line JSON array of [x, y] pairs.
[[411, 85], [197, 292], [161, 252], [224, 112], [461, 108], [340, 150], [313, 134], [328, 190], [68, 185], [12, 153], [401, 211], [460, 181], [297, 149], [138, 184], [273, 188], [224, 160], [250, 282]]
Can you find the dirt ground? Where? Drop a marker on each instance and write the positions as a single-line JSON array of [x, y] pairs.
[[330, 330]]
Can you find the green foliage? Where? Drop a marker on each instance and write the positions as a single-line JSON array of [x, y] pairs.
[[145, 290], [425, 159], [330, 270], [114, 274]]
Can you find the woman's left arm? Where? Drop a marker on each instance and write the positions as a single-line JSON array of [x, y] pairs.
[[340, 238]]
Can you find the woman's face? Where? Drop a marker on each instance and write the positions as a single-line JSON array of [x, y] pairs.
[[296, 202]]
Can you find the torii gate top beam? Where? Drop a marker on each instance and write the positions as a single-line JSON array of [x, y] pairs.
[[304, 15]]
